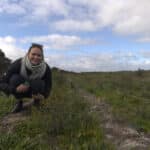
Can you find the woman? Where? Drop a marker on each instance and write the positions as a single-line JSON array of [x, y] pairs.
[[29, 76]]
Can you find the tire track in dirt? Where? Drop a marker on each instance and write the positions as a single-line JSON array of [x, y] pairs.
[[122, 136]]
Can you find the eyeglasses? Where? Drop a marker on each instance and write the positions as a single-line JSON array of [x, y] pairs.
[[37, 45]]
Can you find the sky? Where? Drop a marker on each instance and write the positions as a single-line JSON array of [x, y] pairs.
[[79, 35]]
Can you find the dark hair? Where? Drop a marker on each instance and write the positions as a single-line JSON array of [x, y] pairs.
[[36, 45]]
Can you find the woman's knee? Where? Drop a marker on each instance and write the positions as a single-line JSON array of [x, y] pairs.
[[15, 80], [37, 86]]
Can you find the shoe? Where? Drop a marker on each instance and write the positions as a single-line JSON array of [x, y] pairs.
[[18, 107]]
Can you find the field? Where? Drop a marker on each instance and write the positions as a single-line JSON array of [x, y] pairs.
[[65, 120], [126, 92]]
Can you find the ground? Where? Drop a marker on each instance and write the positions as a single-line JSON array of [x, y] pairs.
[[121, 135]]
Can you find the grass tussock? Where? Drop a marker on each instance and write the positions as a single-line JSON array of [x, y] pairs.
[[126, 92], [63, 122]]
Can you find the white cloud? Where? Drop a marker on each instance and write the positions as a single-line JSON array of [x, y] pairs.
[[145, 53], [9, 47], [134, 19], [102, 61], [57, 41], [39, 11], [124, 17], [143, 39], [11, 7], [94, 61], [74, 25]]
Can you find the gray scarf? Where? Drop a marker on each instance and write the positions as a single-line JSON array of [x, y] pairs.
[[37, 71]]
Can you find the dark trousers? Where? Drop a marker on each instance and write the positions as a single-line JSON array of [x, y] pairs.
[[36, 86]]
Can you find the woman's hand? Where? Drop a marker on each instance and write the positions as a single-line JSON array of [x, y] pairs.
[[38, 96], [37, 99], [22, 88]]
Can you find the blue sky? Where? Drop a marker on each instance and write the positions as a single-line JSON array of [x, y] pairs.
[[97, 35]]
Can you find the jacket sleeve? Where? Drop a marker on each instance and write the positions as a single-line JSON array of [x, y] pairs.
[[14, 68], [48, 81]]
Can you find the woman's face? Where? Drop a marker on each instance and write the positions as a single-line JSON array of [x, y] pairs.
[[35, 55]]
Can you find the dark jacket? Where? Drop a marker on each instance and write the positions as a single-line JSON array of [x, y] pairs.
[[15, 69]]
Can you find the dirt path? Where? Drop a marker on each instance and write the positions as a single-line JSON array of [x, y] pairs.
[[8, 123], [10, 120], [122, 136]]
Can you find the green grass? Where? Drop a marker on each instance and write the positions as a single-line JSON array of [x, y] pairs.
[[126, 92], [63, 122], [6, 104]]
